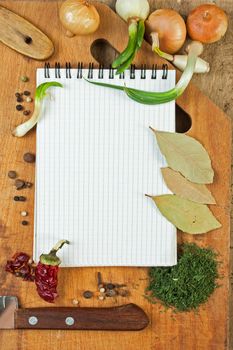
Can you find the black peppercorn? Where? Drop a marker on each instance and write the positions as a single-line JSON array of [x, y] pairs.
[[110, 286], [17, 94], [22, 198], [27, 112], [87, 294], [24, 222], [19, 99], [26, 93], [16, 198], [19, 107]]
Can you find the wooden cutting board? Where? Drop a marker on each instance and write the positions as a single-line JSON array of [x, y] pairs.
[[207, 330]]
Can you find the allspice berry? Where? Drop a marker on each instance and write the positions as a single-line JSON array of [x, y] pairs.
[[12, 174], [29, 157]]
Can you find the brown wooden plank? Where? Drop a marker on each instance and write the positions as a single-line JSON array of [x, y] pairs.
[[206, 330]]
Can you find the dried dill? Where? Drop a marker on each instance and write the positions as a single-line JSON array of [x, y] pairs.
[[188, 284]]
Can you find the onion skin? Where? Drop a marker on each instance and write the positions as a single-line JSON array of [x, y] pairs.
[[127, 9], [79, 17], [207, 23], [170, 27]]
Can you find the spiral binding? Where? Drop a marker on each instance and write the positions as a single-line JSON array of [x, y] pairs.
[[144, 71]]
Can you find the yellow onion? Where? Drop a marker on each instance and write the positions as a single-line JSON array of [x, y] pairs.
[[207, 23], [169, 26], [79, 17]]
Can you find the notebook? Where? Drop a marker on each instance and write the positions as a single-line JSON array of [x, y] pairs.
[[96, 160]]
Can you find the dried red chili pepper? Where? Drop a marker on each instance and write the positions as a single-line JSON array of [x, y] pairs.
[[46, 273], [21, 266]]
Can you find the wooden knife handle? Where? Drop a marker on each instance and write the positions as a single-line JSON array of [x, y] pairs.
[[128, 317]]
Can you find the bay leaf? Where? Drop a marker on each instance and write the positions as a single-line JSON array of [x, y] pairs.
[[186, 155], [179, 185], [189, 217]]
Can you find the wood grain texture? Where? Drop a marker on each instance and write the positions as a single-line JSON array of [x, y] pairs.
[[119, 318], [23, 37], [189, 331]]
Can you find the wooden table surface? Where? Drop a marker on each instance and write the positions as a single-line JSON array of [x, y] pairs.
[[216, 85]]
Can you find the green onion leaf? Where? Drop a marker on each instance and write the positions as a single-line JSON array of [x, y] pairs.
[[125, 65], [154, 98], [140, 34], [130, 49], [41, 90]]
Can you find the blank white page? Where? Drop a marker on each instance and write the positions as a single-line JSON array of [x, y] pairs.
[[96, 160]]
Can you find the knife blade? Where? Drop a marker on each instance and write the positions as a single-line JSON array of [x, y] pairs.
[[129, 317]]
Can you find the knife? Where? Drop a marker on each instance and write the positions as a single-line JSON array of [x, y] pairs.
[[22, 36], [128, 317]]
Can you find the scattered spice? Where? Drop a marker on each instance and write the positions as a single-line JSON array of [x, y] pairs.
[[26, 93], [19, 99], [188, 284], [28, 99], [29, 158], [17, 94], [75, 302], [46, 273], [111, 293], [19, 107], [99, 280], [19, 198], [24, 213], [27, 112], [12, 174], [110, 289], [19, 184], [24, 78], [87, 294], [21, 266], [24, 222], [110, 286]]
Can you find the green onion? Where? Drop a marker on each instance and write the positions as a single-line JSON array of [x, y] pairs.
[[125, 59], [128, 52], [179, 61], [141, 32], [134, 12], [153, 98], [41, 90]]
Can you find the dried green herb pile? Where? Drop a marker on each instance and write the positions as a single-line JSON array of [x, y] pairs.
[[188, 284]]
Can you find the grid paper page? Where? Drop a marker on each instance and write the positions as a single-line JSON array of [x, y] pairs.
[[96, 160]]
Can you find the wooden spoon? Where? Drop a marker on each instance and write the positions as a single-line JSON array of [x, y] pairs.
[[24, 37]]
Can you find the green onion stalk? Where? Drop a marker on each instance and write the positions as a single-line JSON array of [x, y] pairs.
[[155, 98], [134, 12], [40, 94]]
